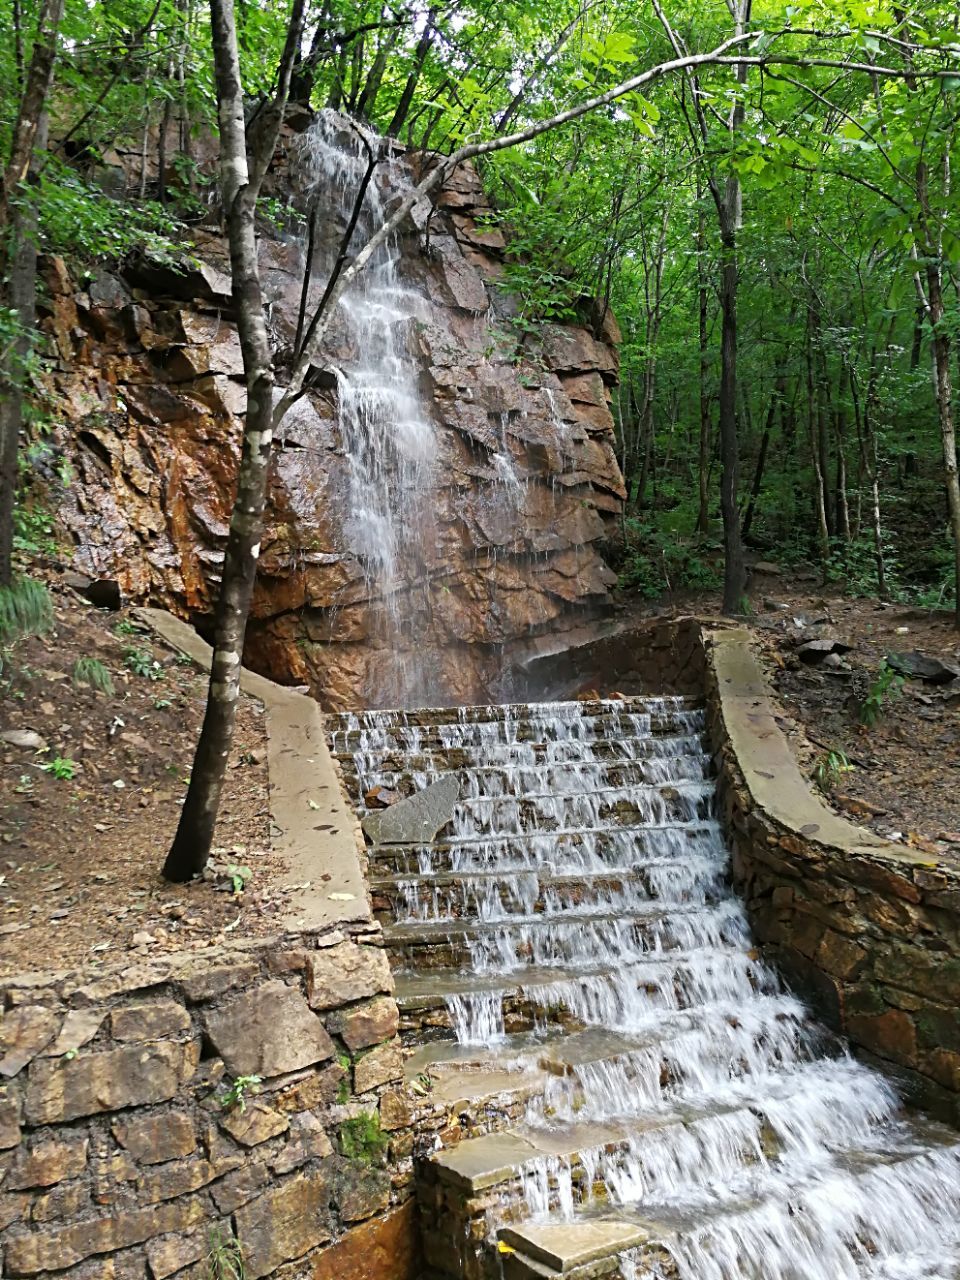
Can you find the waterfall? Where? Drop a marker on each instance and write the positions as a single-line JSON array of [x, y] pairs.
[[388, 437], [577, 919]]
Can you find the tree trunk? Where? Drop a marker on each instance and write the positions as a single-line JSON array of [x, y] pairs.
[[775, 401], [703, 460], [734, 570], [191, 846], [21, 294], [943, 387], [18, 263], [31, 107]]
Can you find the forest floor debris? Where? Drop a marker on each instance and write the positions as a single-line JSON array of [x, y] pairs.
[[883, 745], [92, 780]]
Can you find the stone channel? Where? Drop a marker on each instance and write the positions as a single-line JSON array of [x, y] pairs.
[[622, 1085]]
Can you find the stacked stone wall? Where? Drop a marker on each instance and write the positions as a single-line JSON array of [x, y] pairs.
[[126, 1153], [866, 930]]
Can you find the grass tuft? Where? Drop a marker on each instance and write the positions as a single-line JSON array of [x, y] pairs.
[[25, 610], [91, 672]]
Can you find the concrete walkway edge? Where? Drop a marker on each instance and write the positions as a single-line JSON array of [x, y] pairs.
[[313, 827]]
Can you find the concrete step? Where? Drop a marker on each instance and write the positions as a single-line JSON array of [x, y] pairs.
[[571, 936], [678, 802], [531, 780], [405, 899], [510, 712], [596, 848], [537, 1184], [587, 1248], [499, 730], [621, 749], [447, 1001]]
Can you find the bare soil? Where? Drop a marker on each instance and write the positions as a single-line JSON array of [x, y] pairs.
[[904, 776], [80, 853]]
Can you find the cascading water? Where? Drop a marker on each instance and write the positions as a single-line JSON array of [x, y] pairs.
[[581, 904], [389, 441]]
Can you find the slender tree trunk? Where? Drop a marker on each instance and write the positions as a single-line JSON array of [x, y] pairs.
[[840, 432], [775, 402], [241, 179], [22, 298], [18, 261], [735, 574], [413, 79], [943, 388], [703, 459], [31, 107], [730, 210]]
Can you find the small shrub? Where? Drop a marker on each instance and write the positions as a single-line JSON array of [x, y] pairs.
[[829, 768], [362, 1138], [142, 663], [886, 687], [60, 768], [235, 1098], [225, 1257], [238, 877], [25, 610], [90, 672]]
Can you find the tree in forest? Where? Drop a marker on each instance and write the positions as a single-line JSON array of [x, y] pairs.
[[18, 261]]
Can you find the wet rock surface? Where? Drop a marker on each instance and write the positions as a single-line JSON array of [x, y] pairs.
[[148, 382]]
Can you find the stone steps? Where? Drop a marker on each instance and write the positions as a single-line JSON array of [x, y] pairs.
[[617, 1085], [599, 848], [506, 755], [528, 781], [639, 929], [587, 1236], [406, 899], [436, 1002], [509, 712], [800, 1203], [499, 732], [678, 802]]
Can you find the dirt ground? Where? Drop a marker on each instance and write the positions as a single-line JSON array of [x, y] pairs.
[[91, 784], [903, 774]]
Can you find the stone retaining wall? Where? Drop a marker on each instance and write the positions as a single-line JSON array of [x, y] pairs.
[[128, 1150], [868, 931], [122, 1154]]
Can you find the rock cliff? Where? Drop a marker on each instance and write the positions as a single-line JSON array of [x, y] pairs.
[[525, 484]]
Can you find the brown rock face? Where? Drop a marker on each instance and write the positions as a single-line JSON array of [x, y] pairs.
[[385, 1248], [520, 480]]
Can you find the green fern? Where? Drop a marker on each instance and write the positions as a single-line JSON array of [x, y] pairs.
[[91, 672], [25, 610]]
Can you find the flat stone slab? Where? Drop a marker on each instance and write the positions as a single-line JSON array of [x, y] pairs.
[[483, 1162], [467, 1086], [417, 819], [563, 1246]]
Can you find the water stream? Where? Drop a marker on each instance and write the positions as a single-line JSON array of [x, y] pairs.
[[388, 438], [585, 880]]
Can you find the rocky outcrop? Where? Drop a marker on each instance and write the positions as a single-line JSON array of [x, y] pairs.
[[148, 382]]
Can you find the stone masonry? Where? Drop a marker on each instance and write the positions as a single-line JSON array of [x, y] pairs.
[[131, 1146], [124, 1152]]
